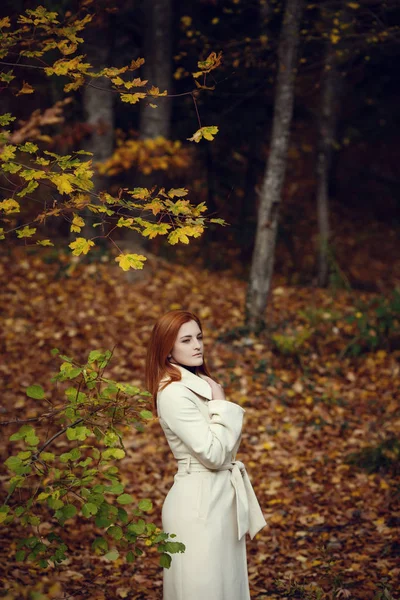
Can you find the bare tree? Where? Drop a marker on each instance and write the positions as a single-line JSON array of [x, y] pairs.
[[270, 195]]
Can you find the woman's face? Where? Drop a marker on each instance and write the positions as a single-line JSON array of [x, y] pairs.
[[188, 347]]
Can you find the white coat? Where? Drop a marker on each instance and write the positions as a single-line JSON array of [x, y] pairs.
[[211, 504]]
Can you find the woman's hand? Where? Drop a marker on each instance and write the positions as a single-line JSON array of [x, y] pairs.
[[217, 389]]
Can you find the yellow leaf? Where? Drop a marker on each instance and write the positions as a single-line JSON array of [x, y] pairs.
[[268, 445], [26, 232], [132, 98], [354, 5], [334, 38], [130, 261], [32, 185], [141, 193], [182, 234], [5, 22], [125, 222], [154, 91], [155, 206], [118, 81], [137, 82], [212, 62], [186, 21], [26, 89], [8, 152], [10, 206], [77, 223], [63, 182], [151, 230], [177, 192], [135, 64], [81, 246], [81, 200], [75, 85], [44, 243], [207, 133], [68, 67]]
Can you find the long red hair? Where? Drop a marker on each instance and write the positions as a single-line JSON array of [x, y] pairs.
[[162, 340]]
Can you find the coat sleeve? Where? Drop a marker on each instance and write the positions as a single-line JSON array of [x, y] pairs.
[[210, 442]]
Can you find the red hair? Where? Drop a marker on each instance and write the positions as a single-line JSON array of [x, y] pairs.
[[162, 340]]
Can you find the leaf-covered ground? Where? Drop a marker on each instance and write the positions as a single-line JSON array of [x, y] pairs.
[[330, 523]]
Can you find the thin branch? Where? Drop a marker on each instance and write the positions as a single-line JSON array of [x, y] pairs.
[[197, 111]]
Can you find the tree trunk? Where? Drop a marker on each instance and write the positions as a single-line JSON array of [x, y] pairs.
[[156, 122], [270, 195], [98, 107], [331, 88]]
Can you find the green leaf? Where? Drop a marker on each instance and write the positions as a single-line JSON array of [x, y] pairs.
[[69, 511], [130, 557], [165, 560], [125, 499], [4, 513], [146, 505], [13, 463], [100, 543], [116, 453], [111, 438], [47, 456], [122, 515], [115, 531], [42, 496], [55, 503], [174, 547], [31, 439], [21, 433], [95, 355], [78, 433], [20, 555], [24, 455], [147, 415], [137, 528], [89, 509], [112, 555]]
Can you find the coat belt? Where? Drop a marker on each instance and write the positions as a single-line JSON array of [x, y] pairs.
[[248, 512]]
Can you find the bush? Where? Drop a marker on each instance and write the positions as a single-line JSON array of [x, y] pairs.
[[84, 479]]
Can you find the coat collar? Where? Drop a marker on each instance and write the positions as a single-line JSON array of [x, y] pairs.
[[194, 383]]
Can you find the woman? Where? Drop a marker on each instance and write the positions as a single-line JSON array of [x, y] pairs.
[[212, 504]]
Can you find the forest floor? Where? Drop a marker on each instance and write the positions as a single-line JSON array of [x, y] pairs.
[[333, 523]]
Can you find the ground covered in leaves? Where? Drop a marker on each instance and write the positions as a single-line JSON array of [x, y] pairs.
[[333, 520]]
